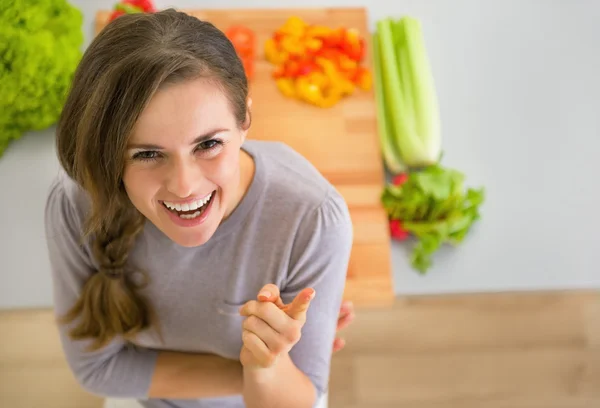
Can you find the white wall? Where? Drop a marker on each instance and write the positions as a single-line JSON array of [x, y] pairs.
[[519, 96]]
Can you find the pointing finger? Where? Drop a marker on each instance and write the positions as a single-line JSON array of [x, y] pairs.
[[299, 306]]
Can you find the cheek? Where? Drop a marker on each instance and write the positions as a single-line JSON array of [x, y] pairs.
[[138, 185], [224, 170]]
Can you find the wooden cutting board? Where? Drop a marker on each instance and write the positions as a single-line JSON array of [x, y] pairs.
[[342, 141]]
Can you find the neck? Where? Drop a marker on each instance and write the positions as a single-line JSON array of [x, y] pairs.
[[247, 168]]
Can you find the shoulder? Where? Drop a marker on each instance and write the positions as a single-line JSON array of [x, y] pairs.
[[294, 185], [66, 205]]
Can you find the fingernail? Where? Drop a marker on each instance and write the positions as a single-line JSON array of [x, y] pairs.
[[265, 294], [312, 295]]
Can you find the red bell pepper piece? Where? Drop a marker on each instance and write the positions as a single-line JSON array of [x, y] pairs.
[[243, 39], [306, 67], [115, 14], [335, 38], [291, 69], [146, 5], [248, 63], [355, 50], [279, 72]]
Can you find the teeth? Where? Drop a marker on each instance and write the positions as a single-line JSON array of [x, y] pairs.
[[188, 206], [190, 216]]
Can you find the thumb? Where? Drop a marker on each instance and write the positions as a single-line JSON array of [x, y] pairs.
[[270, 293], [299, 306]]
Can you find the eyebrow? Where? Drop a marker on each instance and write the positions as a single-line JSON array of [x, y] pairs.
[[202, 138]]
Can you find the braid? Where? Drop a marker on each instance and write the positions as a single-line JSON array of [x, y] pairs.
[[110, 304]]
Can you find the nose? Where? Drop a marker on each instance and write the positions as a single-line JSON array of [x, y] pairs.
[[183, 175]]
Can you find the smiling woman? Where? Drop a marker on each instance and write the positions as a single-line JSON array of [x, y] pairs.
[[192, 267]]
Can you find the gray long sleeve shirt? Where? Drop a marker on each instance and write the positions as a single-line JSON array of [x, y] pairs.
[[292, 228]]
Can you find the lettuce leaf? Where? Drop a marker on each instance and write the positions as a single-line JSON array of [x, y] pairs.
[[435, 208]]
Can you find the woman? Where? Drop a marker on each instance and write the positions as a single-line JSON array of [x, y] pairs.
[[191, 267]]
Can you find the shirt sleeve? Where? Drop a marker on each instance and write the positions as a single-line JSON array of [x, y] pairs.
[[320, 258], [117, 370]]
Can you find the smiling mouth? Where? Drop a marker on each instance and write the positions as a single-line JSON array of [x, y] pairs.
[[192, 210]]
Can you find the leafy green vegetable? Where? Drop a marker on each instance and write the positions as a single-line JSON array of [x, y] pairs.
[[433, 206], [39, 52]]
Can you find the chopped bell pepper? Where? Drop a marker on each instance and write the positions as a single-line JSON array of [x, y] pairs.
[[294, 26], [273, 54], [363, 79], [317, 64], [145, 5], [286, 86], [248, 63], [131, 7], [323, 97], [313, 45], [114, 14], [317, 31], [242, 38], [244, 42], [292, 45]]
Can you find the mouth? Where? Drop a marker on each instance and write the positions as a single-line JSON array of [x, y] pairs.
[[190, 211]]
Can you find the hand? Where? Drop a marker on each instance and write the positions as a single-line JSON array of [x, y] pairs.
[[344, 319], [272, 328]]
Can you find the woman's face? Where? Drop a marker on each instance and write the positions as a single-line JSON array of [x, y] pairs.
[[183, 161]]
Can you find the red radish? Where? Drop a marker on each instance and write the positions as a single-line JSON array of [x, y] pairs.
[[397, 231], [400, 179]]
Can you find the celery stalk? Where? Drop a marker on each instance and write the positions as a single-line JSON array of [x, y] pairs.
[[390, 155], [424, 98], [409, 92]]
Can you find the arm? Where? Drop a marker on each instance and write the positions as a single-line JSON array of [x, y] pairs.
[[120, 369], [319, 260], [262, 387], [191, 376]]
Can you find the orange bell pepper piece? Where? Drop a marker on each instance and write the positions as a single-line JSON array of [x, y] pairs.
[[363, 79]]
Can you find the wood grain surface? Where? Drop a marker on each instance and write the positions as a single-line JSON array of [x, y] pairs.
[[506, 350]]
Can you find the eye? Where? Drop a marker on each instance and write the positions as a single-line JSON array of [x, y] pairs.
[[209, 147], [209, 144], [147, 155]]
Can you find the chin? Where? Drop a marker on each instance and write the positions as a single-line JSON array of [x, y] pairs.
[[191, 237]]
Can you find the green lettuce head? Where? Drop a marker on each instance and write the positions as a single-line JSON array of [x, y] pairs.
[[40, 48]]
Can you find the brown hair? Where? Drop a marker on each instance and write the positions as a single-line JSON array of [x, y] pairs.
[[124, 66]]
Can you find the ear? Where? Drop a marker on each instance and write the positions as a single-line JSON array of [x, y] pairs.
[[248, 119]]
